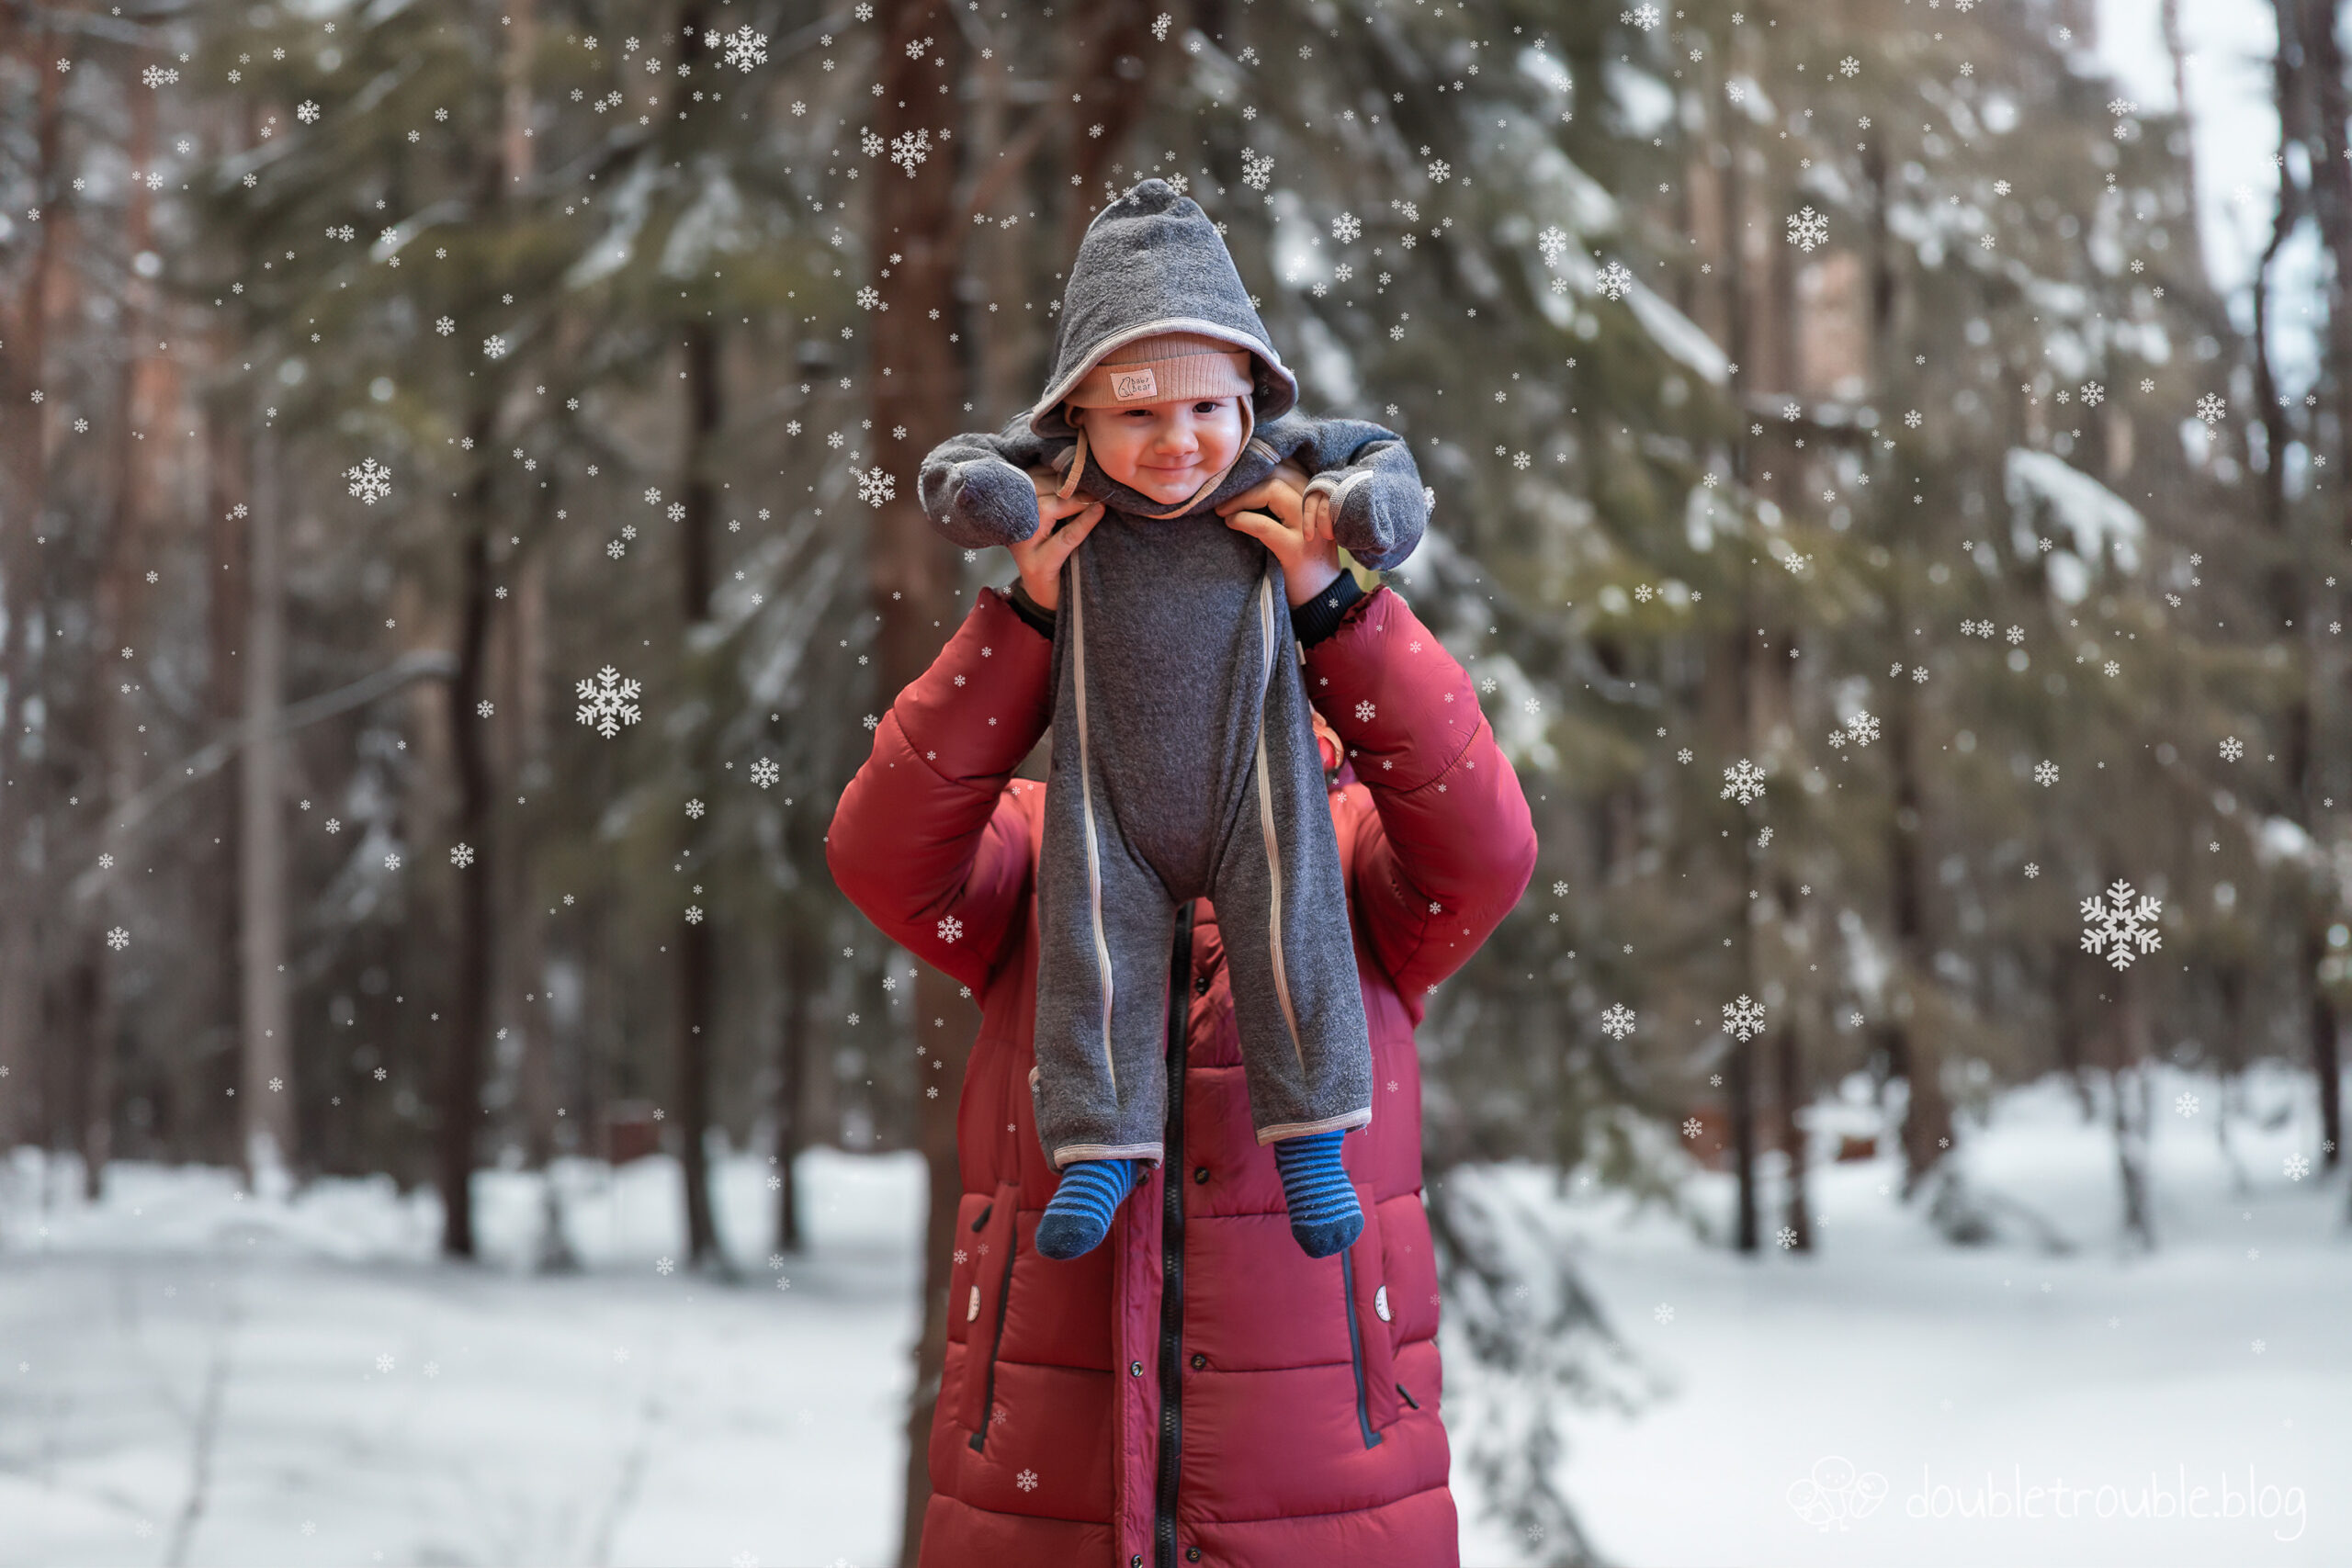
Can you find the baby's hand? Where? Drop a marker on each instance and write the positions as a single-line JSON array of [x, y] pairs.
[[1040, 555], [1298, 532]]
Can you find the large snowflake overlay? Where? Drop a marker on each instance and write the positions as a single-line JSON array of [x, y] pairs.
[[1744, 1017], [608, 702], [369, 481], [876, 487], [2114, 926], [1744, 782], [1808, 228], [910, 148], [1613, 280], [745, 48], [1617, 1021]]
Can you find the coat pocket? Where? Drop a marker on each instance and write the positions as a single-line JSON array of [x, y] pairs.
[[1371, 1345], [988, 1240]]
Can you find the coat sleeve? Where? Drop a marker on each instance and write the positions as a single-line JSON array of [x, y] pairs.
[[1453, 844], [925, 838], [975, 489]]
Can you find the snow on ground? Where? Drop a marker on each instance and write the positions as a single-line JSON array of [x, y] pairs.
[[376, 1405], [187, 1375]]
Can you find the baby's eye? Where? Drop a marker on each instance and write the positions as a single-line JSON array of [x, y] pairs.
[[1210, 406]]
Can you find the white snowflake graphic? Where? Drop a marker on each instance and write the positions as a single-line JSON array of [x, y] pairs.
[[2045, 773], [1027, 1481], [1862, 727], [1744, 1017], [1692, 1127], [2113, 926], [461, 855], [369, 481], [1786, 1237], [2093, 394], [1808, 228], [1364, 710], [1256, 169], [117, 939], [909, 149], [1744, 782], [2185, 1105], [876, 487], [1346, 228], [745, 48], [1613, 281], [2211, 408], [2232, 749], [1617, 1021], [608, 702], [2296, 1167], [950, 929], [764, 773]]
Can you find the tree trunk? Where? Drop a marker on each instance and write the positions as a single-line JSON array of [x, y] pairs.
[[698, 1020], [23, 495], [137, 406], [917, 246], [462, 1047], [803, 973], [2129, 1112], [229, 495], [265, 1121], [1107, 45]]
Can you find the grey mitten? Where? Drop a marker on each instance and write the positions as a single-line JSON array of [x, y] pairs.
[[1378, 509], [979, 502]]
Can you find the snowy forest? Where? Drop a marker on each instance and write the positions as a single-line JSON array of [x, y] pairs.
[[458, 534]]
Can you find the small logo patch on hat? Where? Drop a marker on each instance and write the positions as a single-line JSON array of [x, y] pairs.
[[1128, 385]]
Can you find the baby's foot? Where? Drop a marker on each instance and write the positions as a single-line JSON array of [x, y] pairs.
[[1324, 1214], [1078, 1216]]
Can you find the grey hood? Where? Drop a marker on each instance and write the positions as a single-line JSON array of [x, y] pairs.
[[1151, 262]]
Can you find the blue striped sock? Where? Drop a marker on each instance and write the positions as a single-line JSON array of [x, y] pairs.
[[1324, 1214], [1078, 1216]]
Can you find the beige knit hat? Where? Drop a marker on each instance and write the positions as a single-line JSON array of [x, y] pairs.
[[1165, 367]]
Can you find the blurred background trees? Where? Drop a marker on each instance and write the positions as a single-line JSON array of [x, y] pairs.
[[456, 531]]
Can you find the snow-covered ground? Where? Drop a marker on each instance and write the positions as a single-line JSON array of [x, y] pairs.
[[190, 1376]]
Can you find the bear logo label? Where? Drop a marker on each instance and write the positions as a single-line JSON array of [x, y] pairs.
[[1129, 385]]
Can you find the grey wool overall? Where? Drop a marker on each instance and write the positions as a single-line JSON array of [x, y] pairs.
[[1184, 760]]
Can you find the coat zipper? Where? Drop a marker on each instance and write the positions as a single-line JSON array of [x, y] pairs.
[[1355, 1347], [1172, 1248], [996, 1336]]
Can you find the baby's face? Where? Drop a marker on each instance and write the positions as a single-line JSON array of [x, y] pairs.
[[1164, 450]]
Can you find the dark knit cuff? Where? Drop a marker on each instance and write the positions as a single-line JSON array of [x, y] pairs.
[[1320, 616], [1029, 609]]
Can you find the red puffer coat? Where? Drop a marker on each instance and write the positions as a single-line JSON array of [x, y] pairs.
[[1197, 1389]]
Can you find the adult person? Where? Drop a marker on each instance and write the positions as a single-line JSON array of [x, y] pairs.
[[1198, 1389]]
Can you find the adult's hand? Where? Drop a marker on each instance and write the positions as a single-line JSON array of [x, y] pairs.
[[1294, 525], [1040, 555]]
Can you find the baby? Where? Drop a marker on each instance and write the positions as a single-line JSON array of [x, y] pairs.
[[1184, 762]]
